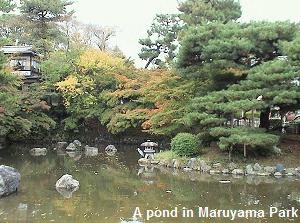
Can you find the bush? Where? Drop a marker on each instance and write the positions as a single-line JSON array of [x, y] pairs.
[[184, 144]]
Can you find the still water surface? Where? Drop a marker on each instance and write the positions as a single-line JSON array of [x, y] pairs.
[[111, 187]]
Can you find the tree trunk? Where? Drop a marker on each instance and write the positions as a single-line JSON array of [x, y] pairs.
[[264, 119]]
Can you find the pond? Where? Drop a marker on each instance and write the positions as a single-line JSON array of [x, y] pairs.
[[113, 187]]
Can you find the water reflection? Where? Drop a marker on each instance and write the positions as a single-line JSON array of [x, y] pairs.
[[111, 187]]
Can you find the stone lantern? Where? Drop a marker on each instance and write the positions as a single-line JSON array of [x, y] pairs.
[[148, 150]]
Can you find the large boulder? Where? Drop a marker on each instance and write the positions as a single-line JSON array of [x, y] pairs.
[[9, 180], [38, 152]]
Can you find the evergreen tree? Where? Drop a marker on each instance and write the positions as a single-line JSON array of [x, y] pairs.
[[42, 16], [160, 45]]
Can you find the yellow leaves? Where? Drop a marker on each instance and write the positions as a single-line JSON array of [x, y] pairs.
[[68, 85], [95, 59]]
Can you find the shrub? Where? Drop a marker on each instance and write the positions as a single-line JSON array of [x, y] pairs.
[[184, 144]]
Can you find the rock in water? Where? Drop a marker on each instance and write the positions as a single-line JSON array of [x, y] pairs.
[[280, 168], [38, 152], [67, 182], [71, 147], [66, 185], [9, 180]]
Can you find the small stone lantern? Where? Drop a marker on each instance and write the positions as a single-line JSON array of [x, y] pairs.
[[149, 149]]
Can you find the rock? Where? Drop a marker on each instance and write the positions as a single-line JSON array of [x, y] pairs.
[[217, 165], [155, 162], [297, 170], [71, 147], [192, 163], [289, 174], [225, 171], [257, 167], [224, 181], [187, 169], [177, 164], [205, 168], [9, 180], [91, 151], [291, 171], [280, 168], [77, 143], [270, 169], [277, 174], [38, 152], [249, 170], [277, 150], [61, 145], [238, 172], [214, 172], [66, 185], [263, 174], [110, 150], [144, 162], [232, 166]]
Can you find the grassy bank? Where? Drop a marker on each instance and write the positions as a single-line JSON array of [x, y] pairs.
[[290, 156]]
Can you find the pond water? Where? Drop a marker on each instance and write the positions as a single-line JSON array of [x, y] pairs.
[[112, 187]]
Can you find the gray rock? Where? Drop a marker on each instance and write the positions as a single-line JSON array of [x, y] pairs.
[[238, 172], [61, 145], [249, 170], [225, 171], [257, 167], [67, 182], [9, 180], [214, 172], [205, 168], [38, 152], [232, 166], [270, 169], [91, 151], [291, 171], [289, 174], [280, 168], [71, 147], [217, 165], [277, 150], [110, 150], [277, 174], [192, 163], [263, 174], [77, 143]]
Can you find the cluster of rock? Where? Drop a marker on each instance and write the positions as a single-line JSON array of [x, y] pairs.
[[218, 168]]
